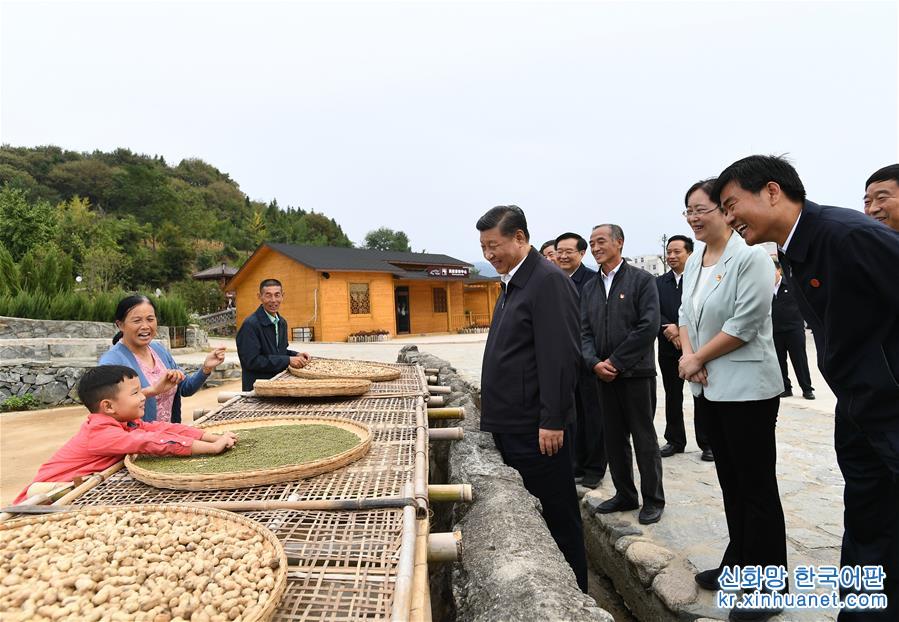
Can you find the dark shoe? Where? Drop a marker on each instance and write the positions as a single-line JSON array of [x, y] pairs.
[[787, 393], [707, 455], [809, 395], [752, 615], [708, 579], [616, 504], [669, 450], [649, 515], [591, 481]]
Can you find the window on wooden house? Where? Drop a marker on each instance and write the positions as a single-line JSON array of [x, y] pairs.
[[439, 300], [360, 301]]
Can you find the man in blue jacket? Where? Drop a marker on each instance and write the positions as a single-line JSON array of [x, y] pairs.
[[841, 266], [262, 339], [529, 375]]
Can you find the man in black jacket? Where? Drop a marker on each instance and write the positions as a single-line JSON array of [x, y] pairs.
[[529, 375], [262, 339], [589, 450], [789, 337], [670, 285], [619, 321], [841, 266]]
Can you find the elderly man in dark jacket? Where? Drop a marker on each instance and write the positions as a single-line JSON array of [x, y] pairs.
[[619, 320], [529, 375]]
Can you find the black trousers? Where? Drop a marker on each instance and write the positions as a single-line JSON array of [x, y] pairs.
[[628, 405], [742, 438], [793, 343], [549, 478], [589, 448], [868, 455], [675, 433]]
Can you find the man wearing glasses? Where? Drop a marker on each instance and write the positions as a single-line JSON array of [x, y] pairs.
[[589, 450]]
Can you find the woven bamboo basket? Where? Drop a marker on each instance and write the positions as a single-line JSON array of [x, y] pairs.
[[221, 522], [345, 368], [300, 387], [258, 477]]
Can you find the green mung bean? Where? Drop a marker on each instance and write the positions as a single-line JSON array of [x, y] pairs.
[[262, 448]]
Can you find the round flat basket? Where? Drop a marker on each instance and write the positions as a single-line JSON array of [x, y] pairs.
[[257, 476], [345, 368], [140, 562], [300, 387]]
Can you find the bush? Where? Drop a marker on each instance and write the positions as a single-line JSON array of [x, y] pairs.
[[19, 402], [79, 306], [201, 297]]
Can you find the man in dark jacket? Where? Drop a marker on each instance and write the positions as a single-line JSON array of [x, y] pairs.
[[529, 375], [589, 450], [619, 322], [789, 337], [669, 286], [262, 339], [841, 266]]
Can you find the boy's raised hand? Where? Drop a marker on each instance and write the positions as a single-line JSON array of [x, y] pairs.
[[167, 382]]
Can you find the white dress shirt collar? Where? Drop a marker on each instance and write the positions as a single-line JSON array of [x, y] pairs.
[[608, 278], [505, 278], [792, 231]]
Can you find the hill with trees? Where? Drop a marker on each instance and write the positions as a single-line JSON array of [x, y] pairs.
[[129, 221]]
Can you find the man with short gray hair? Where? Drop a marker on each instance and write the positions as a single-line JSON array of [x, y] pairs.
[[619, 321]]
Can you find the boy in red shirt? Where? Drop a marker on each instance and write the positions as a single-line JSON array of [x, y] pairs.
[[113, 395]]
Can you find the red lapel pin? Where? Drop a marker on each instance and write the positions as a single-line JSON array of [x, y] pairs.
[[815, 283]]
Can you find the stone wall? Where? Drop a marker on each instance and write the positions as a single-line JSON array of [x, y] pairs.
[[23, 328], [54, 383], [511, 568]]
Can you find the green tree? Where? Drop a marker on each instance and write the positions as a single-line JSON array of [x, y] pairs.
[[385, 239], [177, 255], [324, 231], [86, 178], [24, 225], [103, 265]]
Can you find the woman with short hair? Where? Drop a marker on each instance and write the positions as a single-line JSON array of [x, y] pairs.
[[730, 362]]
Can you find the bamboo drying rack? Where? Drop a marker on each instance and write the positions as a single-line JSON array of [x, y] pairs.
[[356, 538]]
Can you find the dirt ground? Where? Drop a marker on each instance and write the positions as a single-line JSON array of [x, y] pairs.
[[29, 438]]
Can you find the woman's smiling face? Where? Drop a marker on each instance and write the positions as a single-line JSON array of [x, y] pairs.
[[139, 326]]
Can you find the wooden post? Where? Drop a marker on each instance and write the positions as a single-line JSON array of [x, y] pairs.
[[445, 547], [446, 413], [450, 492], [446, 434]]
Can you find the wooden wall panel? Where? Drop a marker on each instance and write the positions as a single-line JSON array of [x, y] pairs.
[[338, 322], [300, 283]]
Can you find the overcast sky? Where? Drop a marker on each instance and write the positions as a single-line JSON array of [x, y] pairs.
[[421, 116]]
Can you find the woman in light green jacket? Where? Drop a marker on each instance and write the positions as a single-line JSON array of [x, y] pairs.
[[730, 362]]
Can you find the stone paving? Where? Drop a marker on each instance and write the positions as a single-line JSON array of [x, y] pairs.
[[655, 576]]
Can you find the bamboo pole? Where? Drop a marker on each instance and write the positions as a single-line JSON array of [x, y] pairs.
[[432, 379], [420, 476], [436, 400], [421, 589], [199, 412], [252, 506], [438, 390], [446, 413], [90, 482], [41, 499], [405, 568], [445, 547], [227, 396], [432, 371], [446, 434], [461, 493]]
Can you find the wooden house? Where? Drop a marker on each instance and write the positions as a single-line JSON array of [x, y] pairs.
[[331, 293]]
